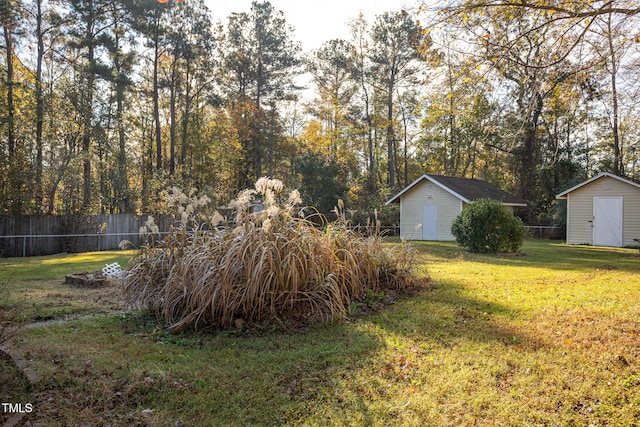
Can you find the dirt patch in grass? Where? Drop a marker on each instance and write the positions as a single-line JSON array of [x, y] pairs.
[[54, 299]]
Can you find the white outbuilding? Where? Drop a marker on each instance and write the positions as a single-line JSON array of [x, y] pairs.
[[430, 204], [603, 211]]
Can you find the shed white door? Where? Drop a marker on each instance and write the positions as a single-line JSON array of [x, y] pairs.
[[429, 222], [607, 221]]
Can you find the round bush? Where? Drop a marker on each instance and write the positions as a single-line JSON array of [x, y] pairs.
[[488, 226]]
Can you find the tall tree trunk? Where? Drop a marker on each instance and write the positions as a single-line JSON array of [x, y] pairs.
[[529, 155], [11, 139], [618, 168], [271, 140], [102, 169], [147, 163], [390, 139], [406, 156], [172, 119], [405, 138], [88, 111], [39, 191], [258, 133], [15, 172], [450, 160], [372, 161], [122, 187], [86, 142], [371, 182], [247, 162], [156, 92], [185, 120]]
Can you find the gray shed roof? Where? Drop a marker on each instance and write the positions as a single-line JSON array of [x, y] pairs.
[[466, 189]]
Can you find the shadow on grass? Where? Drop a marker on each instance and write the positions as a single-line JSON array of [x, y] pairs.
[[124, 365], [446, 315], [441, 320], [267, 378]]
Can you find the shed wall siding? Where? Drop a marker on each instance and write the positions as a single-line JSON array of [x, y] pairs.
[[580, 210], [411, 210]]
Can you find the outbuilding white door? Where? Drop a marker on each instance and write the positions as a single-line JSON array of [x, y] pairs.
[[607, 221], [429, 222]]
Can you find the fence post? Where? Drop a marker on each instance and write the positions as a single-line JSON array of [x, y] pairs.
[[24, 246]]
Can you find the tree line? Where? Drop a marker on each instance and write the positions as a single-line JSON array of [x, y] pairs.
[[105, 104]]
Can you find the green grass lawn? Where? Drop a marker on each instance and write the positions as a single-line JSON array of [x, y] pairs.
[[547, 337], [35, 286]]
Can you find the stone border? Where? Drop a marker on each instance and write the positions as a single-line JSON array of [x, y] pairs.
[[32, 378]]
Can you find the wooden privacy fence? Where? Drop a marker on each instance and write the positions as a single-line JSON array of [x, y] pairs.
[[51, 234], [22, 236]]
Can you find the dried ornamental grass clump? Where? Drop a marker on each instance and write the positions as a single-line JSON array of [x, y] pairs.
[[265, 261]]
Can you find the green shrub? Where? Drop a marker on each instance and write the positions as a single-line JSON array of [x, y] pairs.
[[487, 226], [262, 265]]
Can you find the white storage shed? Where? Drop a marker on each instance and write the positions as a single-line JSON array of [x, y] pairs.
[[603, 211], [430, 204]]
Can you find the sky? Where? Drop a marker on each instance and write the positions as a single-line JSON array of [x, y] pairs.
[[314, 21]]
